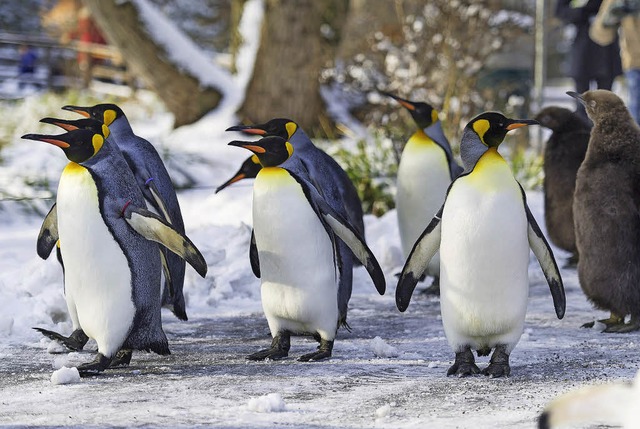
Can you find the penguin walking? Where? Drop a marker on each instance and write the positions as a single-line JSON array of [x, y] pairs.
[[564, 152], [108, 245], [153, 179], [484, 231], [425, 172], [329, 179], [296, 231], [605, 210]]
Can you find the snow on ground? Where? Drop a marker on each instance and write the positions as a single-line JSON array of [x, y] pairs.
[[389, 372]]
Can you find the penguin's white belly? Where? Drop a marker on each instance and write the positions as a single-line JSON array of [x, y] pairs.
[[299, 287], [423, 179], [484, 261], [97, 276]]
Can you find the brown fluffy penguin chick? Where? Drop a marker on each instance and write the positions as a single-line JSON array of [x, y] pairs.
[[563, 154], [605, 210]]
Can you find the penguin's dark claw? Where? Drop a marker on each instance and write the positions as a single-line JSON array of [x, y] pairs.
[[464, 364], [121, 359], [272, 353], [496, 370], [499, 364], [99, 364], [623, 328], [324, 351], [613, 322], [74, 342], [588, 325], [279, 348]]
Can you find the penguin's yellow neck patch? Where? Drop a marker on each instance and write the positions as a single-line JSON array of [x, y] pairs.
[[418, 141], [273, 172], [492, 172], [289, 148], [434, 116], [481, 127], [73, 168], [255, 159]]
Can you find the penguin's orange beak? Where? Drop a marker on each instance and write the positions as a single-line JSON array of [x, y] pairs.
[[247, 129], [78, 109], [47, 139], [519, 123]]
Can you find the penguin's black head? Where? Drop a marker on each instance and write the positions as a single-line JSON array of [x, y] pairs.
[[271, 151], [248, 170], [74, 124], [105, 113], [423, 114], [78, 145], [280, 127], [492, 127]]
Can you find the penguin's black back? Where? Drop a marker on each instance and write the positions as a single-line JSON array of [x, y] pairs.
[[606, 208]]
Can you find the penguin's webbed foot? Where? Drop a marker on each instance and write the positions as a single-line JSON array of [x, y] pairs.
[[434, 289], [121, 359], [74, 342], [99, 364], [464, 364], [279, 348], [499, 363], [324, 351]]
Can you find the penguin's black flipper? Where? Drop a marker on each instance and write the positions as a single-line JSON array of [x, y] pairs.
[[48, 235], [154, 228], [74, 342], [545, 257], [423, 251], [336, 224], [253, 255]]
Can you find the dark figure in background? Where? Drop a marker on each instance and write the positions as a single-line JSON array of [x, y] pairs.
[[589, 61], [28, 58]]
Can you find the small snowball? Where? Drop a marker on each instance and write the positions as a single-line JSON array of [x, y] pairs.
[[65, 376], [599, 326], [382, 349], [383, 411], [267, 404]]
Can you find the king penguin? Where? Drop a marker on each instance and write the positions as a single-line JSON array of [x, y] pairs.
[[606, 214], [154, 181], [563, 153], [484, 231], [329, 179], [426, 170], [295, 232], [108, 245]]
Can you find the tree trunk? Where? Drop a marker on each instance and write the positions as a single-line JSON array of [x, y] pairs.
[[290, 58], [182, 93]]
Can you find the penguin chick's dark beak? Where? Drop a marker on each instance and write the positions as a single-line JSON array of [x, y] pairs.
[[519, 123], [576, 96], [248, 129], [47, 139], [78, 109], [252, 146]]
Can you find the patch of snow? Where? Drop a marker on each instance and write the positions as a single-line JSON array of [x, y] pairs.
[[270, 403], [65, 375], [381, 349], [383, 411]]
